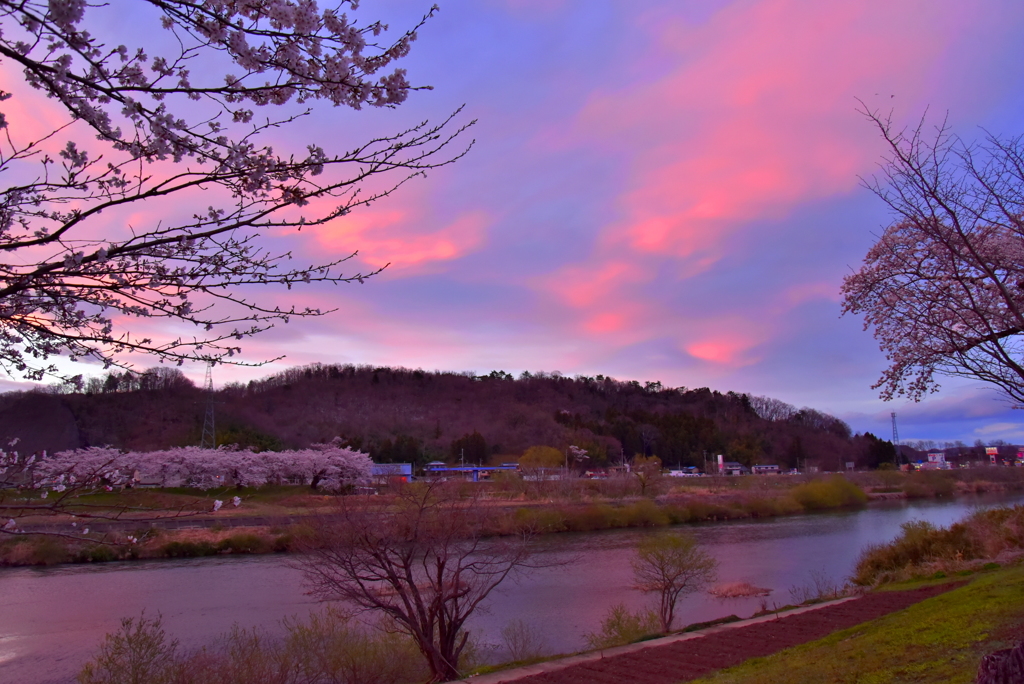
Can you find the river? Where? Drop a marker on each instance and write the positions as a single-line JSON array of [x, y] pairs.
[[52, 619]]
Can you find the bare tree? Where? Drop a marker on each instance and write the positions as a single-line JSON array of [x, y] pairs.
[[771, 409], [647, 470], [421, 559], [671, 565], [148, 200], [943, 288]]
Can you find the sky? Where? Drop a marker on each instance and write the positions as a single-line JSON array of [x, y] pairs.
[[659, 190]]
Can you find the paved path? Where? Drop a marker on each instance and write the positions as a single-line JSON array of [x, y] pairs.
[[682, 657]]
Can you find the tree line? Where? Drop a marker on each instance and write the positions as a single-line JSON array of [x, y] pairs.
[[417, 416]]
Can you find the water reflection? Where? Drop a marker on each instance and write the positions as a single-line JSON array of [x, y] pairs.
[[53, 618]]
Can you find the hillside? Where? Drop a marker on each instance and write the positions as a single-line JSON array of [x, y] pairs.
[[411, 415]]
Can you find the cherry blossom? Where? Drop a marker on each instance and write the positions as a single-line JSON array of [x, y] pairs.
[[143, 134], [943, 288]]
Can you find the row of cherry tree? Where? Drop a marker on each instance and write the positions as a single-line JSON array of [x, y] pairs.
[[327, 466]]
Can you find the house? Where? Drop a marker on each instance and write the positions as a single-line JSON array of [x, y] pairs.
[[765, 469], [734, 468]]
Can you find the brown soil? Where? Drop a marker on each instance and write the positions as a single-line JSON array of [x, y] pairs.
[[685, 660]]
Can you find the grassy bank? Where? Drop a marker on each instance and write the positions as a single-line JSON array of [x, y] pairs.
[[26, 550], [542, 507], [922, 549], [499, 518], [940, 640]]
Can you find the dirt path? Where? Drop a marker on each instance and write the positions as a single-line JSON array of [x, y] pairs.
[[683, 657]]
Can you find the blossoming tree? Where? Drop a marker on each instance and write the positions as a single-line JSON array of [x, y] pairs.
[[146, 191], [943, 288], [52, 483]]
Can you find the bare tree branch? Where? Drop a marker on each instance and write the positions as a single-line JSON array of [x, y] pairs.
[[943, 288]]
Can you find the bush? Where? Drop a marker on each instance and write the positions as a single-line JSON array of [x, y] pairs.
[[187, 549], [329, 647], [593, 517], [644, 513], [283, 543], [833, 492], [622, 627], [982, 535], [44, 550], [926, 485], [138, 653], [244, 543], [522, 642], [96, 553], [919, 543]]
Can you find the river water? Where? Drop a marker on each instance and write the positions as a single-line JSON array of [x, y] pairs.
[[52, 619]]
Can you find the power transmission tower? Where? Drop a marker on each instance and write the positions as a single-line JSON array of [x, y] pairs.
[[209, 438], [896, 441]]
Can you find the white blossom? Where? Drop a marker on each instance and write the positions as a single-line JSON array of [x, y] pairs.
[[131, 131]]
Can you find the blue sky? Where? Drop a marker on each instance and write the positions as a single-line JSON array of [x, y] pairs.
[[659, 190]]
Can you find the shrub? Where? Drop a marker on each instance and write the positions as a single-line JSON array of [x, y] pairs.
[[46, 551], [283, 543], [919, 543], [188, 549], [541, 520], [244, 543], [589, 518], [522, 642], [833, 492], [984, 534], [96, 553], [924, 485], [621, 627], [644, 513], [138, 653], [329, 647]]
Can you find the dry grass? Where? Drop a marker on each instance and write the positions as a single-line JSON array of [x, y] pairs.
[[738, 590]]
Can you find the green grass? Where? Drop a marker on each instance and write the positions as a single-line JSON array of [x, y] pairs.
[[939, 640]]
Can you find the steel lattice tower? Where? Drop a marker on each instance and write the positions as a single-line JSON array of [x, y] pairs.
[[209, 438], [896, 441]]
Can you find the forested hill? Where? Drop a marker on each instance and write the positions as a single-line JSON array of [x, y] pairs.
[[411, 415]]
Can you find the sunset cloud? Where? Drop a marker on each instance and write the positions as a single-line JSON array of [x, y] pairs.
[[658, 191], [395, 236]]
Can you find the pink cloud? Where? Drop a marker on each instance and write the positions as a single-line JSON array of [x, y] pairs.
[[725, 351], [726, 341], [393, 235], [755, 113], [738, 119], [805, 292], [582, 287]]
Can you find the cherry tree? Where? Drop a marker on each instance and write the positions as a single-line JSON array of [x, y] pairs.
[[52, 485], [148, 197], [943, 288]]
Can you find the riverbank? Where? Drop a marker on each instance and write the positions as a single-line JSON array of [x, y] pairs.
[[272, 519], [689, 654], [938, 641], [202, 599], [928, 632]]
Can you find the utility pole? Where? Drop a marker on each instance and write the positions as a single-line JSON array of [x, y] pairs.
[[209, 438]]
